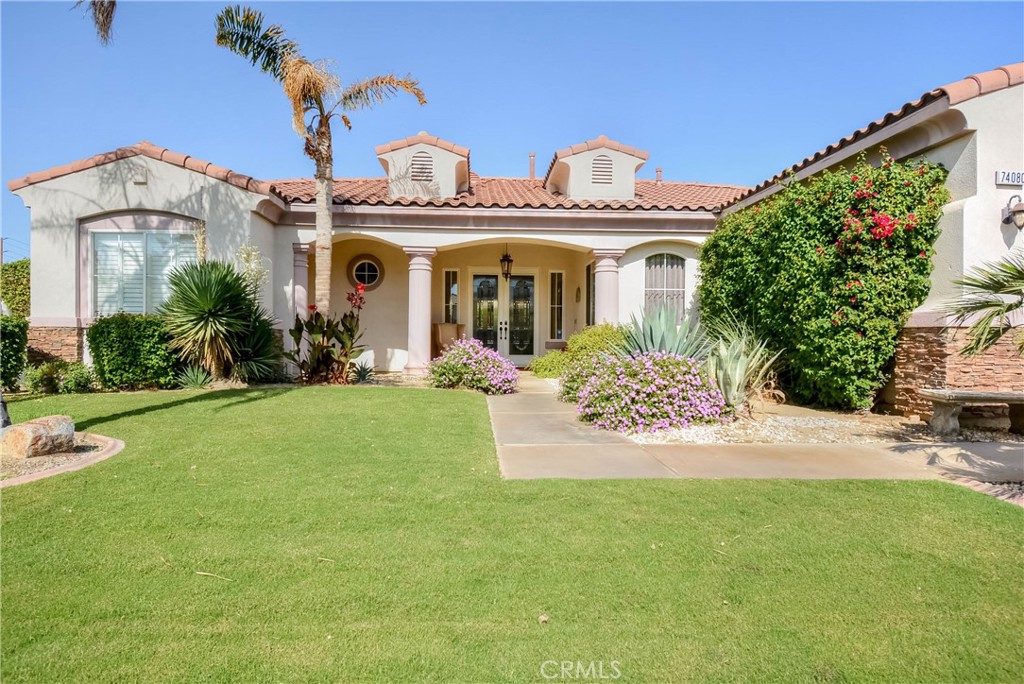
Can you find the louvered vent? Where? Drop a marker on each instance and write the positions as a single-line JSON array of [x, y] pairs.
[[422, 167], [601, 170]]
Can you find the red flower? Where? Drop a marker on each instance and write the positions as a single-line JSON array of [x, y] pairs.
[[311, 307], [360, 288], [854, 178]]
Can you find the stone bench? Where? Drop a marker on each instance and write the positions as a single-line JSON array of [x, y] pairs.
[[948, 403]]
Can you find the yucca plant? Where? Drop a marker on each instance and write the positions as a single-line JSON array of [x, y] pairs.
[[193, 377], [994, 293], [207, 312], [256, 352], [661, 331], [739, 360]]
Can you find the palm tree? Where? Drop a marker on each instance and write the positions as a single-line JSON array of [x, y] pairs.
[[312, 89], [102, 12], [993, 292]]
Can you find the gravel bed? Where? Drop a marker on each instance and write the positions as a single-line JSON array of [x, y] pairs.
[[12, 467]]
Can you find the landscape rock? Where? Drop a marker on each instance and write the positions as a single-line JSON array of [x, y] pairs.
[[39, 437]]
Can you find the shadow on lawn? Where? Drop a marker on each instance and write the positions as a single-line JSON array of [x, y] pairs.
[[241, 396]]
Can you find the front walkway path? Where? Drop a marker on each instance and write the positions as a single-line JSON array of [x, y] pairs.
[[537, 436]]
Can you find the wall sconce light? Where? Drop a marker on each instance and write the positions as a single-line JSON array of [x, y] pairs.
[[506, 264], [578, 295], [1014, 212]]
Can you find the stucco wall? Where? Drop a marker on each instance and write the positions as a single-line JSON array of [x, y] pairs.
[[632, 272], [451, 172], [572, 176], [136, 183]]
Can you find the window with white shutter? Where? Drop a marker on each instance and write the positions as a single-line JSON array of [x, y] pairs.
[[664, 283], [130, 270]]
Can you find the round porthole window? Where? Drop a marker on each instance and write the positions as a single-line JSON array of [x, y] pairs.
[[366, 270]]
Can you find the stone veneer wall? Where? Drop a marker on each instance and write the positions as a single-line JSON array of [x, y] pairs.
[[930, 357], [46, 344]]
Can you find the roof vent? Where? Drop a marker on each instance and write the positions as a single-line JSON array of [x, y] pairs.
[[601, 170], [422, 167]]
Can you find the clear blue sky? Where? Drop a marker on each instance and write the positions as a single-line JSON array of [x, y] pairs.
[[726, 92]]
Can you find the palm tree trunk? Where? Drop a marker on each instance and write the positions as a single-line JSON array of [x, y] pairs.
[[324, 158]]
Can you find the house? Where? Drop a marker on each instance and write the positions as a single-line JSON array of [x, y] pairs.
[[975, 128], [588, 241]]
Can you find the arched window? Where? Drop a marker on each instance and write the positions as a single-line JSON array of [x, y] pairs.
[[601, 170], [422, 167], [664, 283]]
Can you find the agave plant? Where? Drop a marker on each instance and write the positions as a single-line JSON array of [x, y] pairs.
[[193, 377], [739, 360], [256, 352], [661, 331], [207, 311], [995, 294], [361, 373]]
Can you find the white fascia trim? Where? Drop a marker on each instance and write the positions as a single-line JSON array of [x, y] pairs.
[[879, 136], [447, 212]]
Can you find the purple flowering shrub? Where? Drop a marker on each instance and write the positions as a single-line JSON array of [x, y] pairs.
[[650, 392], [468, 363]]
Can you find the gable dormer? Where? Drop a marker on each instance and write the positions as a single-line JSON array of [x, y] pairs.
[[424, 166], [599, 169]]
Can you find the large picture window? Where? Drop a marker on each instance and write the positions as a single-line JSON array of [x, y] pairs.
[[130, 270], [664, 283]]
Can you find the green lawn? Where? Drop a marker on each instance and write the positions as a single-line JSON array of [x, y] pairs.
[[368, 537]]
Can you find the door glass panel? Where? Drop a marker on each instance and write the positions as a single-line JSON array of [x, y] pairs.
[[485, 310], [520, 315]]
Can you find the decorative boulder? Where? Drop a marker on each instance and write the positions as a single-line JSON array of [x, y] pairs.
[[49, 435]]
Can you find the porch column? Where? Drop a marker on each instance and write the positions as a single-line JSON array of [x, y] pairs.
[[606, 285], [300, 278], [420, 265]]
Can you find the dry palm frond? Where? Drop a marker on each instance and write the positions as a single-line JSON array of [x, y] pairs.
[[102, 12], [306, 84], [377, 89]]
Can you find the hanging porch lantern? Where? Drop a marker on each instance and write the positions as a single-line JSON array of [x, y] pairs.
[[506, 264]]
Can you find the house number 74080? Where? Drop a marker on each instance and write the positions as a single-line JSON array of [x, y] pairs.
[[1009, 177]]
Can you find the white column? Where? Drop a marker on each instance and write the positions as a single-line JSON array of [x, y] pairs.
[[606, 285], [420, 266], [300, 279]]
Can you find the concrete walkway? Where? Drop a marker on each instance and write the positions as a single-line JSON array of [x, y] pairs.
[[539, 437]]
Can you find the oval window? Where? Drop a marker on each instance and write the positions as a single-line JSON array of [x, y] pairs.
[[366, 270]]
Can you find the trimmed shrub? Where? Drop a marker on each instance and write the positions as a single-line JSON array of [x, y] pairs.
[[596, 339], [132, 351], [15, 286], [829, 270], [13, 347], [59, 377], [468, 363], [650, 392]]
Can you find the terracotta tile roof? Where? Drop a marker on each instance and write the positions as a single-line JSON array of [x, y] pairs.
[[504, 193], [146, 149], [425, 138], [965, 89], [601, 141]]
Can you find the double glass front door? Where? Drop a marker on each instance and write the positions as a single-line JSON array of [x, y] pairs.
[[504, 314]]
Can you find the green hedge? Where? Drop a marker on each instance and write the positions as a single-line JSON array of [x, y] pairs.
[[13, 345], [131, 351], [587, 342], [829, 270], [14, 286]]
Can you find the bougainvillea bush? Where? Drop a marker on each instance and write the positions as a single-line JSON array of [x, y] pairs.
[[650, 392], [829, 269], [468, 363]]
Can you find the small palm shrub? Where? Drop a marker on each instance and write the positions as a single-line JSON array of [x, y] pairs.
[[469, 364], [739, 361], [215, 320], [993, 293], [194, 377], [361, 374], [650, 392], [660, 331], [593, 340]]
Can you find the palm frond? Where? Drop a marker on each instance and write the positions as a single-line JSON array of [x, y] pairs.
[[992, 293], [376, 89], [306, 84], [240, 29], [102, 12]]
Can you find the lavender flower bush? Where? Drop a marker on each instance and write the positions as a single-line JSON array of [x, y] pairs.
[[468, 363], [650, 392]]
